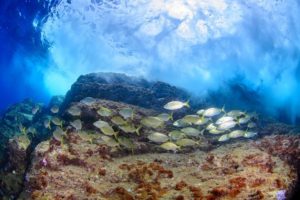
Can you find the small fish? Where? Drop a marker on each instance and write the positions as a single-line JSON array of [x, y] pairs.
[[211, 126], [180, 123], [108, 130], [47, 123], [211, 112], [227, 125], [104, 112], [35, 109], [251, 125], [109, 141], [31, 130], [200, 112], [235, 113], [27, 116], [54, 109], [224, 138], [191, 119], [175, 105], [129, 128], [118, 120], [190, 131], [74, 111], [89, 101], [224, 119], [152, 122], [236, 134], [99, 124], [250, 134], [202, 121], [244, 120], [185, 142], [176, 135], [215, 131], [165, 117], [77, 124], [170, 146], [58, 134], [158, 137], [126, 113], [126, 142], [57, 121]]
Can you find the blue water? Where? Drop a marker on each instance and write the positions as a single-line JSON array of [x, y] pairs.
[[244, 50]]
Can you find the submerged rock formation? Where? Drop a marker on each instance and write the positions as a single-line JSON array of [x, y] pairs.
[[122, 88], [57, 152]]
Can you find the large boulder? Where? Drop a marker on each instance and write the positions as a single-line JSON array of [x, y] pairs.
[[121, 88]]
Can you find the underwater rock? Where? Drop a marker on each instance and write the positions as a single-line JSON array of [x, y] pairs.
[[232, 171], [12, 174], [122, 88]]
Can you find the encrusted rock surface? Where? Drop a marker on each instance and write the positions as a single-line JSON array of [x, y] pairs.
[[80, 169]]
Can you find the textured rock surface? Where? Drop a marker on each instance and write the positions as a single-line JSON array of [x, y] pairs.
[[122, 88], [80, 170]]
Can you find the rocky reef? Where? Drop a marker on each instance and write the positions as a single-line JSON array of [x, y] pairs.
[[119, 87], [59, 151]]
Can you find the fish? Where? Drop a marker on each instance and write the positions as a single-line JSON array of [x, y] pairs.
[[180, 123], [47, 123], [104, 112], [165, 117], [200, 112], [202, 121], [109, 141], [236, 134], [108, 130], [31, 130], [77, 124], [251, 125], [129, 128], [176, 135], [99, 124], [224, 119], [250, 134], [54, 109], [74, 111], [175, 105], [170, 146], [235, 113], [224, 138], [158, 137], [244, 120], [126, 113], [58, 134], [210, 126], [57, 121], [190, 131], [27, 116], [126, 142], [211, 112], [191, 119], [152, 122], [35, 109], [185, 142], [215, 131], [226, 126], [89, 101], [118, 120]]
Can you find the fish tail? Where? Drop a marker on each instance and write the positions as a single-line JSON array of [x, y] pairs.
[[223, 109], [171, 116], [187, 103], [138, 130]]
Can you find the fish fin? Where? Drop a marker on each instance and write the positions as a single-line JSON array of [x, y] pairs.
[[171, 116], [138, 130], [223, 109], [187, 104], [202, 132]]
